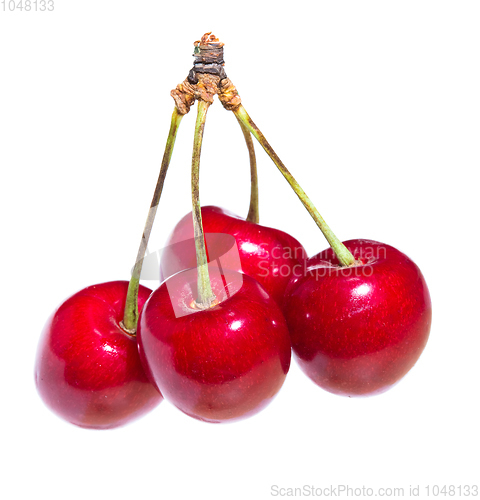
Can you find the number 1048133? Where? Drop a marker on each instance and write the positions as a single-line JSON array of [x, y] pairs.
[[27, 5]]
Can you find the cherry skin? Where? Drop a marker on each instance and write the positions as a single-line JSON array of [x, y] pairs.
[[219, 364], [356, 331], [269, 255], [87, 369]]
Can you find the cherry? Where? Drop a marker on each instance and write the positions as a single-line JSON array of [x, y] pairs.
[[87, 369], [269, 255], [220, 364], [212, 339], [358, 330], [354, 334]]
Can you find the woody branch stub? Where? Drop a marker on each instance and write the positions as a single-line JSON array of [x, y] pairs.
[[207, 78]]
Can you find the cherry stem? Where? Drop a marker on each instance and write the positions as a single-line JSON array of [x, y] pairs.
[[130, 317], [343, 254], [253, 211], [205, 295]]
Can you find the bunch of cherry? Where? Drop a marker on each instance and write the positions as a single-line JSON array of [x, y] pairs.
[[215, 339]]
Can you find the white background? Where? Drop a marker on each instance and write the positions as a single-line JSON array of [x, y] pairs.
[[373, 105]]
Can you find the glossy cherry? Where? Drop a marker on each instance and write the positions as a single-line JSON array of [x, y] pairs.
[[269, 255], [220, 364], [87, 369], [358, 330]]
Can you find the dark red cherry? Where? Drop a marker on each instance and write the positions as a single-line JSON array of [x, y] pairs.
[[220, 364], [358, 330], [269, 255], [87, 369]]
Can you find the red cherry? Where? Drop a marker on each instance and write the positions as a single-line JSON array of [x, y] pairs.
[[220, 364], [269, 255], [87, 368], [358, 330]]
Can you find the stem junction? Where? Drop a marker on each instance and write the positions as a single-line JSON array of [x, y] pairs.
[[206, 79]]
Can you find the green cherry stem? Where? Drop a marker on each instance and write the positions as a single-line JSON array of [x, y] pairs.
[[253, 211], [344, 255], [205, 296], [130, 317]]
